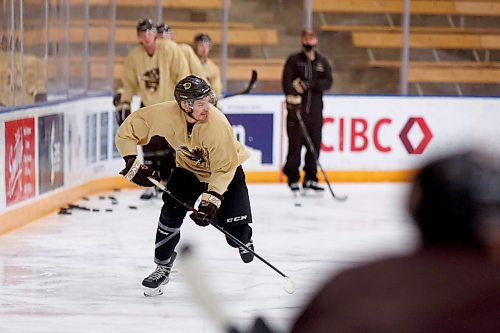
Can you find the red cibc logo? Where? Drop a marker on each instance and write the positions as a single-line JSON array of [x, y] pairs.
[[427, 135], [359, 135]]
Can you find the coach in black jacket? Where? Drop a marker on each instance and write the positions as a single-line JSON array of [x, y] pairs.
[[306, 76]]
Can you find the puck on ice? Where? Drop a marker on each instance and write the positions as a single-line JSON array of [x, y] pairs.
[[132, 207], [297, 204]]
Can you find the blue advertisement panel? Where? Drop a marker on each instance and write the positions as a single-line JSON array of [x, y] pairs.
[[255, 131], [50, 152], [91, 129], [104, 122]]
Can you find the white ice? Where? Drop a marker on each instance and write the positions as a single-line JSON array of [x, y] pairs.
[[82, 272]]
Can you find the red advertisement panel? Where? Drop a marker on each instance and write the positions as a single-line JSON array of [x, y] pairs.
[[19, 160]]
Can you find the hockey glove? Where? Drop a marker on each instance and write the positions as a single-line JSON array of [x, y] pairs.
[[207, 209], [301, 86], [138, 173], [122, 112]]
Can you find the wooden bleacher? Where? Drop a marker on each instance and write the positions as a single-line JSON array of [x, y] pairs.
[[237, 69], [126, 35], [425, 29], [179, 4], [470, 72], [420, 7], [428, 40]]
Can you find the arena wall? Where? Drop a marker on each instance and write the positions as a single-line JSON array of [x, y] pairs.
[[54, 154]]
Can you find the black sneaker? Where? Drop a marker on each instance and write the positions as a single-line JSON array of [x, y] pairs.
[[312, 185], [246, 255], [153, 284]]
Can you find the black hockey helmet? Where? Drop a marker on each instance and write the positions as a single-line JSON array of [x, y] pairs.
[[453, 198], [202, 37], [192, 88], [145, 24], [162, 28]]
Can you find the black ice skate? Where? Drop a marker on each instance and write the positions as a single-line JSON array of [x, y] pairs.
[[148, 194], [311, 186], [246, 255], [153, 285], [295, 188]]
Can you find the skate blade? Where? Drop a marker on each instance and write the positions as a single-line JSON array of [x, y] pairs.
[[150, 292], [311, 193]]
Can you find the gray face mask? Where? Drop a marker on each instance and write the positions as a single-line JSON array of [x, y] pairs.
[[308, 47]]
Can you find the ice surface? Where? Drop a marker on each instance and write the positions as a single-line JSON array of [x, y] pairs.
[[82, 272]]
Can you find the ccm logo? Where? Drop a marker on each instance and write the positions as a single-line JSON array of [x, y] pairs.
[[237, 218]]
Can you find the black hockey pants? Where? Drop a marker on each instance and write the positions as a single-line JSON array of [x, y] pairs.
[[296, 140], [234, 214]]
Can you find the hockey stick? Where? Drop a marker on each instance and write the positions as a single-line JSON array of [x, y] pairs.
[[289, 286], [249, 87], [195, 276], [316, 156]]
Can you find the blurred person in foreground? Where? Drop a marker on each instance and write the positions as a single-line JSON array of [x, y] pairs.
[[450, 284]]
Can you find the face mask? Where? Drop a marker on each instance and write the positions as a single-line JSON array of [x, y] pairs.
[[308, 47]]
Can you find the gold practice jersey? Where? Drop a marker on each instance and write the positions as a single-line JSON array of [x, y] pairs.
[[211, 152], [208, 71], [153, 77]]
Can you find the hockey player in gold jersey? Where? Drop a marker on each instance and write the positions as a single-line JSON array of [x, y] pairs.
[[151, 70], [208, 163], [210, 71]]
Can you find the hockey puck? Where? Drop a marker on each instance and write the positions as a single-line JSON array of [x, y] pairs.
[[101, 197], [109, 210], [95, 209], [297, 204], [132, 207], [64, 211]]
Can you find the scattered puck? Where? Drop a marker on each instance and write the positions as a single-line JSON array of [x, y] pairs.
[[297, 204], [116, 190], [85, 198], [132, 207], [109, 210], [114, 202], [111, 197], [95, 209], [101, 197], [64, 211]]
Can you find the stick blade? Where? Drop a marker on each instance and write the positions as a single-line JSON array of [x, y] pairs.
[[341, 197], [157, 183]]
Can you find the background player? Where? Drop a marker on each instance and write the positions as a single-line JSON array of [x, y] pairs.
[[151, 70]]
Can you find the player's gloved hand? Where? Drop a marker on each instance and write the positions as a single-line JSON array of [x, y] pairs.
[[301, 86], [138, 173], [122, 112], [117, 98], [207, 209]]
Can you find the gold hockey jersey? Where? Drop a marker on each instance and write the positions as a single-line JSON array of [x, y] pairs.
[[208, 71], [211, 151], [153, 77]]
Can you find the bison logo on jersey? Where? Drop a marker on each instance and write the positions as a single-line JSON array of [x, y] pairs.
[[151, 79], [198, 155]]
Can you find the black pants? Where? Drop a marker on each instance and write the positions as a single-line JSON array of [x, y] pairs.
[[159, 156], [234, 214], [296, 140]]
